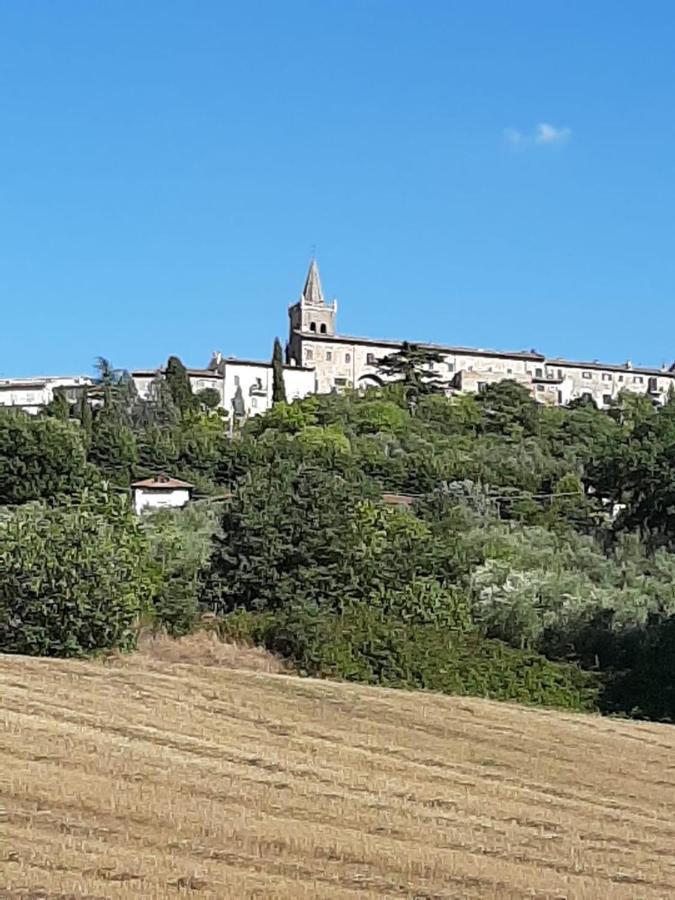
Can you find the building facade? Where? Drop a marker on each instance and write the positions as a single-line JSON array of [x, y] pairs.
[[244, 386], [343, 362], [33, 394]]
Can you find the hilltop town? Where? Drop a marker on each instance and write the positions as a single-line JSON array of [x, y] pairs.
[[321, 360]]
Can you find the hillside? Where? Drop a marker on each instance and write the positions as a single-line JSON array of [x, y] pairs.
[[145, 777]]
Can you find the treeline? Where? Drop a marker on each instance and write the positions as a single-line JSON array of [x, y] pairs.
[[536, 563]]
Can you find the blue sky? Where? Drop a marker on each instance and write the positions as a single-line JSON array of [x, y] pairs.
[[481, 173]]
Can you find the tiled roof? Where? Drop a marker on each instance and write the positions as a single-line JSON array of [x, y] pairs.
[[161, 482]]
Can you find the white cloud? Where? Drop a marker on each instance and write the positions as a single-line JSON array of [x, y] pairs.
[[543, 135], [549, 134]]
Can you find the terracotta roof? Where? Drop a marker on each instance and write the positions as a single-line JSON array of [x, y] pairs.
[[161, 483]]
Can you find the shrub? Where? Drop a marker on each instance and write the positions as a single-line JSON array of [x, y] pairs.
[[40, 458], [72, 578], [367, 646]]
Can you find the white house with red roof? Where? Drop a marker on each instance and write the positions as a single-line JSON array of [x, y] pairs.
[[160, 492]]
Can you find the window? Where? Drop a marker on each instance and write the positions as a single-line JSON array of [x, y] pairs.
[[348, 357], [653, 386], [620, 377], [329, 355], [538, 373], [560, 374], [541, 387], [312, 326], [560, 398], [607, 399], [509, 371], [606, 376], [370, 359], [254, 403], [482, 386], [637, 379], [309, 354], [322, 329], [258, 384], [586, 375], [236, 381], [340, 382], [451, 367]]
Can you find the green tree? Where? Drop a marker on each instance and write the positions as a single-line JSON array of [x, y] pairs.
[[113, 447], [209, 399], [178, 380], [414, 368], [73, 578], [40, 458], [278, 385]]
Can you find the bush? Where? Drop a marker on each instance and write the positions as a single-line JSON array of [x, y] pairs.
[[367, 646], [179, 545], [40, 458], [72, 579]]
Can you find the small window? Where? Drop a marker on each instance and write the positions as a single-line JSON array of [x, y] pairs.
[[236, 381], [254, 403], [309, 354], [560, 374], [348, 357], [258, 384], [560, 397], [370, 359], [607, 399], [329, 355], [653, 386], [606, 376], [620, 377], [509, 371], [586, 375], [541, 387], [322, 329], [482, 386], [451, 367], [638, 379], [340, 382], [538, 373], [312, 326]]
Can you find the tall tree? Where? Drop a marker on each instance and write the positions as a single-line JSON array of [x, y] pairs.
[[278, 386], [414, 368], [178, 381]]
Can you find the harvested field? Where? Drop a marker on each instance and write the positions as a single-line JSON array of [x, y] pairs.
[[149, 777]]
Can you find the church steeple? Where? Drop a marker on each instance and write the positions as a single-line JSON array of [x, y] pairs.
[[312, 293]]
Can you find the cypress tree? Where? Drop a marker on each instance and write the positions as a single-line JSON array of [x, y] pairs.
[[278, 386], [179, 384]]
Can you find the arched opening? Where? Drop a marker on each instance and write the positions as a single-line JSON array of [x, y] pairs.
[[369, 381], [322, 329], [312, 326]]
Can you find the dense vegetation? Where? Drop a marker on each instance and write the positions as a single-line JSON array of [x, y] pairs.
[[535, 561]]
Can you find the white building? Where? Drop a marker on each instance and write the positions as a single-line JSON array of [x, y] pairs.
[[160, 493], [248, 382], [34, 393]]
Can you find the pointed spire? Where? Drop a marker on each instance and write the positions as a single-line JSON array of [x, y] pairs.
[[312, 292]]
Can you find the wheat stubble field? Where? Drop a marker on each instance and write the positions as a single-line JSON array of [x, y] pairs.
[[148, 777]]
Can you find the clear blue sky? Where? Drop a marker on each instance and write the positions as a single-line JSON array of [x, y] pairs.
[[483, 173]]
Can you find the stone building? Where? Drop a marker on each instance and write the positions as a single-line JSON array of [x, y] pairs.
[[341, 361]]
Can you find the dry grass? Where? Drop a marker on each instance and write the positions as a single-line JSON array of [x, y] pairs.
[[154, 778]]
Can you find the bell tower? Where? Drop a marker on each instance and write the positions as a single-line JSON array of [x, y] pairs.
[[311, 315]]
